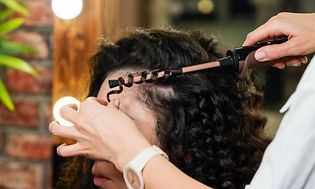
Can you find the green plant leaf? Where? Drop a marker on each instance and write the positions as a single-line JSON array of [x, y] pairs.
[[5, 14], [13, 48], [16, 63], [5, 97], [10, 25], [14, 5]]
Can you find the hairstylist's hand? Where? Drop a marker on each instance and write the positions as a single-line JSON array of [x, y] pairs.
[[101, 131], [300, 29]]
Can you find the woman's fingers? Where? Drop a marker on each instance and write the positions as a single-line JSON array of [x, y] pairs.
[[64, 131], [269, 30], [274, 52], [65, 150], [92, 99], [303, 59], [293, 62], [69, 114], [279, 65], [295, 26], [101, 101]]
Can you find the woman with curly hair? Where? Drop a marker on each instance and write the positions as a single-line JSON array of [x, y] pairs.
[[208, 122]]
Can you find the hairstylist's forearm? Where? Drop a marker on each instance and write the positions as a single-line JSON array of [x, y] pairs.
[[160, 173]]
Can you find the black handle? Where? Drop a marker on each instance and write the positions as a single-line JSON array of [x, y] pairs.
[[241, 53]]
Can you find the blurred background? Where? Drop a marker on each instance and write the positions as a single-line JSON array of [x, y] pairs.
[[43, 57]]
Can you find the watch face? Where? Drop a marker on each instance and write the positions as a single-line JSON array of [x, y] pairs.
[[133, 179]]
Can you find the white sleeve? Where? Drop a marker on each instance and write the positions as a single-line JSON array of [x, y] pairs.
[[289, 161]]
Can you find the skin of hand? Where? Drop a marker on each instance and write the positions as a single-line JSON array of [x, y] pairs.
[[300, 30], [97, 133]]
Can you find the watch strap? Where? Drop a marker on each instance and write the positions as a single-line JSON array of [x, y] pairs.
[[139, 162]]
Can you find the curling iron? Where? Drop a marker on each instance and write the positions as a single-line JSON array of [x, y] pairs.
[[237, 60]]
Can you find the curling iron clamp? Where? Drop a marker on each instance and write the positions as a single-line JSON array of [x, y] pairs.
[[237, 60]]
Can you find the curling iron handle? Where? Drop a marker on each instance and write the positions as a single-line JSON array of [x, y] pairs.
[[251, 62]]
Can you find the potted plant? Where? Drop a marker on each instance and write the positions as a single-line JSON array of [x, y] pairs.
[[9, 50]]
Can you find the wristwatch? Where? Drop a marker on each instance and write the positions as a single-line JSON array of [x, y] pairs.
[[133, 170]]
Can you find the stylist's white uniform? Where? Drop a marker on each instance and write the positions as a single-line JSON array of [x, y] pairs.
[[289, 161]]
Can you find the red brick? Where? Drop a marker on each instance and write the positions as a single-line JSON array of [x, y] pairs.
[[30, 84], [1, 141], [34, 40], [41, 13], [20, 175], [48, 113], [49, 179], [25, 114], [29, 146]]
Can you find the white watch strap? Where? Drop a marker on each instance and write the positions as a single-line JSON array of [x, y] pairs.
[[138, 163], [143, 157]]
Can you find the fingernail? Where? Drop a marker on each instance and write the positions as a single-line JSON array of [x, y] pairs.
[[281, 67], [295, 65], [260, 55], [51, 125]]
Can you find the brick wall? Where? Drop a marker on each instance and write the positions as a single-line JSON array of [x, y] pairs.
[[25, 143]]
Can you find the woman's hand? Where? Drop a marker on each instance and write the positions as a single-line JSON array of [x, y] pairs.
[[300, 30], [101, 132]]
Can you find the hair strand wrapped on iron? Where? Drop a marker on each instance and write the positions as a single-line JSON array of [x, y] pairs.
[[236, 60]]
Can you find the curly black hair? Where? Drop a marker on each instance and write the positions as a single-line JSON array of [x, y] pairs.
[[209, 122]]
